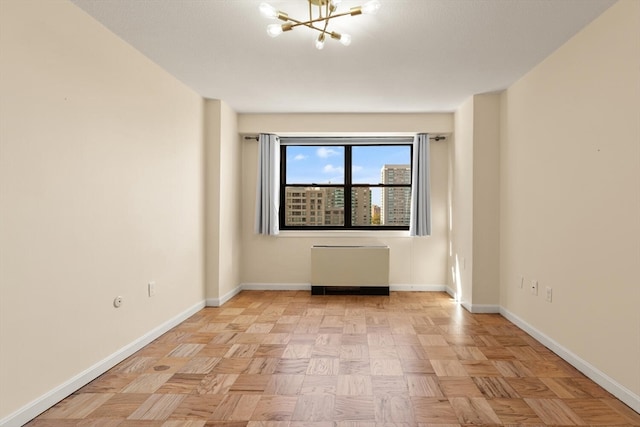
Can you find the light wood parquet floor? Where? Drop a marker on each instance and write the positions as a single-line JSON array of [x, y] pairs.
[[289, 359]]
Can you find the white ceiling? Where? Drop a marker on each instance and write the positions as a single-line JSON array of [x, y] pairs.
[[413, 56]]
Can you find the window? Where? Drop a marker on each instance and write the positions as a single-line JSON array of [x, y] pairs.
[[361, 185]]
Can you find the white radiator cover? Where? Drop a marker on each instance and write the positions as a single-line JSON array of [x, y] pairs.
[[350, 266]]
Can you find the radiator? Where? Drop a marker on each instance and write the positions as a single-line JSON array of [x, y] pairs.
[[349, 269]]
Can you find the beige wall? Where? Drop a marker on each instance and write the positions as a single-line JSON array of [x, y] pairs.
[[285, 259], [212, 189], [486, 201], [100, 192], [570, 195], [345, 123], [461, 254], [223, 197], [231, 203], [475, 192]]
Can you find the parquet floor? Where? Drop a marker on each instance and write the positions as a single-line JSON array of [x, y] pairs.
[[289, 359]]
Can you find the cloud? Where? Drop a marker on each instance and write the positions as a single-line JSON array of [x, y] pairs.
[[356, 168], [325, 152], [332, 169], [300, 157]]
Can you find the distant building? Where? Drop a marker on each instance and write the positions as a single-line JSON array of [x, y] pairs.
[[396, 202], [375, 215], [318, 206], [361, 206], [334, 206]]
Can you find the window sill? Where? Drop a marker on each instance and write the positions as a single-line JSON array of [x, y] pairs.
[[343, 234]]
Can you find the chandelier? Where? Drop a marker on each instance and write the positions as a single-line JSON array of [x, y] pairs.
[[325, 12]]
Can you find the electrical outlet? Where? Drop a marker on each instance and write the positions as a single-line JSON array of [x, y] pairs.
[[152, 288], [549, 294], [534, 287], [521, 283]]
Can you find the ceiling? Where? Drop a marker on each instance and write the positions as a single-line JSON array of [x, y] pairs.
[[412, 56]]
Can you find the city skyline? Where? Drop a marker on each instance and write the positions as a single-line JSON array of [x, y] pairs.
[[396, 202], [314, 205], [319, 206], [325, 164]]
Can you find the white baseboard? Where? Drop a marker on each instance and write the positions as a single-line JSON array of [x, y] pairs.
[[46, 401], [307, 287], [451, 293], [217, 302], [481, 308], [276, 287], [606, 382], [417, 288]]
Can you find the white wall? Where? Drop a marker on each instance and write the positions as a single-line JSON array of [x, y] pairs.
[[100, 192], [570, 196], [285, 259]]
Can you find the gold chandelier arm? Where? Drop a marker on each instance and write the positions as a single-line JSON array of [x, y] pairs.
[[325, 13], [308, 25], [310, 22], [328, 12]]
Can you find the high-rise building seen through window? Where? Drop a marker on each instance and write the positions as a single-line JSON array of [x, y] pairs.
[[344, 186]]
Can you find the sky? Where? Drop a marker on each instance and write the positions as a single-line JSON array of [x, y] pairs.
[[325, 164]]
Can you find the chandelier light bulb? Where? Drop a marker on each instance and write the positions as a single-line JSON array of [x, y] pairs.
[[320, 21], [274, 30], [345, 39], [371, 6], [269, 11]]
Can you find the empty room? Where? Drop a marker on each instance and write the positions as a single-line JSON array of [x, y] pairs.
[[289, 213]]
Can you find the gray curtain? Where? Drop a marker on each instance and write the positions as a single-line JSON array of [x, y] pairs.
[[268, 191], [420, 221]]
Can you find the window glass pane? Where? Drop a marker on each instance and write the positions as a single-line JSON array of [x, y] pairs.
[[315, 164], [368, 162], [395, 206], [361, 207], [314, 191], [372, 206], [314, 206]]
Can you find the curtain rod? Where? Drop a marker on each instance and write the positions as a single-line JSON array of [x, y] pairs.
[[435, 138]]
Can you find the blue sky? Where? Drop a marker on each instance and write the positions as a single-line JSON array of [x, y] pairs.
[[324, 165]]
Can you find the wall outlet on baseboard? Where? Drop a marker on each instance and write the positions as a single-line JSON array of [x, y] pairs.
[[534, 287], [549, 294], [151, 288]]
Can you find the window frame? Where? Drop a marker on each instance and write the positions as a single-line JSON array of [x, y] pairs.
[[347, 187]]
